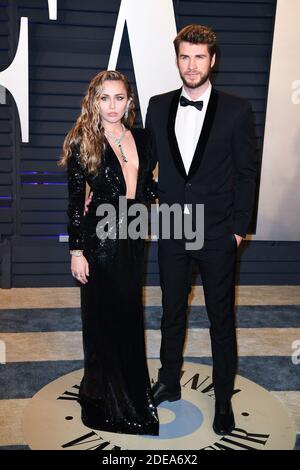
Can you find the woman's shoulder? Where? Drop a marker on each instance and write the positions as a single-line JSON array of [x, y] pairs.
[[141, 134], [75, 147], [75, 155], [140, 131]]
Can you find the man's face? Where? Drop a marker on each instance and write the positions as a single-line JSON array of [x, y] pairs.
[[194, 64]]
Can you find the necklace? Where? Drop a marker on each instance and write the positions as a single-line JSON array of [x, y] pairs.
[[118, 140]]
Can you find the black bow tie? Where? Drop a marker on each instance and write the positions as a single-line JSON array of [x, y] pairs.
[[185, 102]]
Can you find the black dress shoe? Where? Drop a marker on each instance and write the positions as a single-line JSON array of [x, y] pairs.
[[224, 418], [162, 393]]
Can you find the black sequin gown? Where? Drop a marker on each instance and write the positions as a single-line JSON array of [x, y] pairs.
[[115, 393]]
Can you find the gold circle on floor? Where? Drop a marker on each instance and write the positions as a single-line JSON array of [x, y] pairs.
[[52, 418]]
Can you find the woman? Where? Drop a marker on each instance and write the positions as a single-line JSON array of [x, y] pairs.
[[104, 150]]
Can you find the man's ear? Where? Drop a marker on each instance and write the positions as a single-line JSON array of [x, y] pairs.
[[213, 61]]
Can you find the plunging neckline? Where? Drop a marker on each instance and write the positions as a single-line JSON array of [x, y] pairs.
[[121, 169]]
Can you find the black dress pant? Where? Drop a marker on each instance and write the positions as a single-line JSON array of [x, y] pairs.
[[216, 262]]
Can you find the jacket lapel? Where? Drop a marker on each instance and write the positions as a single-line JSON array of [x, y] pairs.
[[175, 152], [140, 142], [203, 138], [205, 132]]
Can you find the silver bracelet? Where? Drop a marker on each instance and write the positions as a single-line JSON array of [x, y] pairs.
[[76, 252]]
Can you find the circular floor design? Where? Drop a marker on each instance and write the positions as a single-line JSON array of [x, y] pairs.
[[52, 418]]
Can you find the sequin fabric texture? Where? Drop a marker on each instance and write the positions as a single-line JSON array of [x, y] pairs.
[[115, 393]]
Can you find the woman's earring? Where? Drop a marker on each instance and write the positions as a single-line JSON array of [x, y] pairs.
[[126, 114]]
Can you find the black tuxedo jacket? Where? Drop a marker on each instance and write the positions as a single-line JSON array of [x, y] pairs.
[[222, 175]]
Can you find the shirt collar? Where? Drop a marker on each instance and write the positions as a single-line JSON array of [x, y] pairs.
[[204, 97]]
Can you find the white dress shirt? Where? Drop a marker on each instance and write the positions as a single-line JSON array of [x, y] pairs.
[[188, 127]]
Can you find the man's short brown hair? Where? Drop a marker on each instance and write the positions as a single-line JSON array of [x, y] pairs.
[[197, 34]]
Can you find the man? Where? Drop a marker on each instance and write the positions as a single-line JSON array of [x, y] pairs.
[[204, 143]]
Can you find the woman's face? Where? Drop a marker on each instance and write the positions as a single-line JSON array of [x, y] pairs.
[[113, 101]]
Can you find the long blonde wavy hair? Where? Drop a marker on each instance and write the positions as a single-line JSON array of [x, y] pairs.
[[88, 131]]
